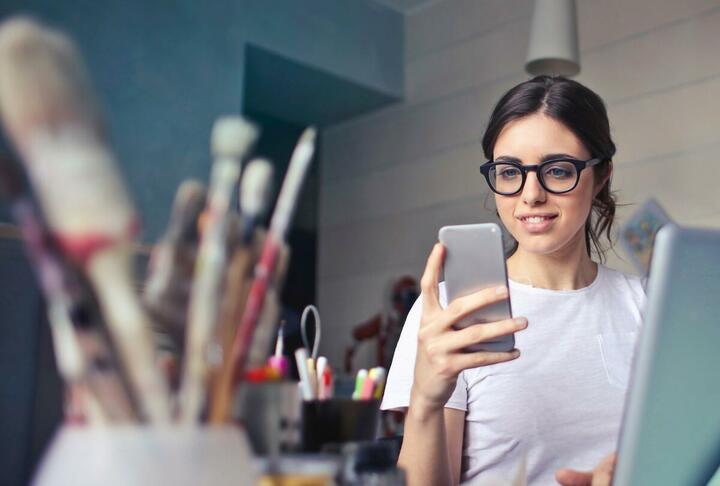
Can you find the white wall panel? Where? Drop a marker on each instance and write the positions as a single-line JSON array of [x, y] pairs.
[[667, 122], [606, 21], [408, 186], [451, 21], [394, 241], [392, 178], [680, 53], [497, 53], [415, 132]]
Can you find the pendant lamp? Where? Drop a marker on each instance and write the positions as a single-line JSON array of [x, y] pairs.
[[553, 45]]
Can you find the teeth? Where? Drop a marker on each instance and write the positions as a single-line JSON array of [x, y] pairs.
[[536, 219]]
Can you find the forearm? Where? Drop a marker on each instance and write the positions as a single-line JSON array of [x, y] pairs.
[[424, 453]]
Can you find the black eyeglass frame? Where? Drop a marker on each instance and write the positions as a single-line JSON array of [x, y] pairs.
[[580, 165]]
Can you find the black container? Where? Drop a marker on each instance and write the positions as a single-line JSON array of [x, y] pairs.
[[338, 421]]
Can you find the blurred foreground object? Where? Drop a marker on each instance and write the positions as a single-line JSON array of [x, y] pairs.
[[50, 114], [148, 456]]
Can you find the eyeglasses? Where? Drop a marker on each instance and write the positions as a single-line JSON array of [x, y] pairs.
[[557, 176]]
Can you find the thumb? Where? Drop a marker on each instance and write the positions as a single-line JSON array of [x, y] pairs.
[[570, 477]]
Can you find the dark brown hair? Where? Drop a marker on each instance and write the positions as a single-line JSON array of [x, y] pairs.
[[581, 111]]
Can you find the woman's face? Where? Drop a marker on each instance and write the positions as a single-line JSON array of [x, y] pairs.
[[530, 139]]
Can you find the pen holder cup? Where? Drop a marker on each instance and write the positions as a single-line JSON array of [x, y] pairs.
[[337, 421], [270, 413], [148, 455]]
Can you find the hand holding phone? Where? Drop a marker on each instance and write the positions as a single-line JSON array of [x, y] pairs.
[[442, 349]]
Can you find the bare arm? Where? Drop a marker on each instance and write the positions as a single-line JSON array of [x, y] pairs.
[[432, 445], [454, 431]]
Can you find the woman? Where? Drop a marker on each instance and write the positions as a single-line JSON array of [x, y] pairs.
[[559, 403]]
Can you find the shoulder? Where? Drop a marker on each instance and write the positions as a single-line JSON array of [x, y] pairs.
[[631, 285]]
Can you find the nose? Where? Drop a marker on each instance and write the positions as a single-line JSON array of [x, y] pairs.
[[533, 193]]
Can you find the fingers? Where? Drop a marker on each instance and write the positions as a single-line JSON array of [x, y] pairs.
[[464, 361], [462, 338], [570, 477], [602, 477], [603, 473], [462, 307], [430, 279]]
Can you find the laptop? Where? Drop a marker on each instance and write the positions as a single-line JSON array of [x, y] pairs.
[[670, 433]]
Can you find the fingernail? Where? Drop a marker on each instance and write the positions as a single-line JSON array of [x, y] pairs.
[[501, 290], [516, 353], [521, 321]]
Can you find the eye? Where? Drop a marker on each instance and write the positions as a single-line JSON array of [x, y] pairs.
[[560, 171], [509, 172]]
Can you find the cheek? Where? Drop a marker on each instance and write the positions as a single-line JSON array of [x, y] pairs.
[[505, 207], [585, 192], [578, 205]]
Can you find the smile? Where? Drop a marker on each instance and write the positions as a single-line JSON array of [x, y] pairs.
[[537, 223], [536, 219]]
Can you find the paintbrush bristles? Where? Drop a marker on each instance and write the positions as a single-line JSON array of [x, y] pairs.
[[292, 184], [33, 61], [231, 137], [255, 187], [50, 113]]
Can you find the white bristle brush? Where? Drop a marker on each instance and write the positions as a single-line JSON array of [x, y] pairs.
[[255, 192], [231, 139]]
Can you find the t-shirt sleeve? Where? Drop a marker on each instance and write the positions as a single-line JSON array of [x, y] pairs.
[[400, 377], [459, 398]]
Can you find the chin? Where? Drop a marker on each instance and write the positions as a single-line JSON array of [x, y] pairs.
[[547, 243], [539, 246]]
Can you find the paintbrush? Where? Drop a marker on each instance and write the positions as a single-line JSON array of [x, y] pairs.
[[84, 352], [231, 139], [255, 188], [269, 258], [170, 273], [50, 114]]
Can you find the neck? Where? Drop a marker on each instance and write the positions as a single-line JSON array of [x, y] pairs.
[[569, 268]]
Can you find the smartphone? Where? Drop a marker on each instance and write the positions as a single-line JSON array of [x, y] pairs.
[[475, 260]]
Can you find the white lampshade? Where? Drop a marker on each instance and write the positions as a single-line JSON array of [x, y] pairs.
[[553, 45]]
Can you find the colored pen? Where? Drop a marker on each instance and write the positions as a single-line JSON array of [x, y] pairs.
[[301, 357], [381, 377], [359, 381], [278, 361], [368, 386], [312, 376]]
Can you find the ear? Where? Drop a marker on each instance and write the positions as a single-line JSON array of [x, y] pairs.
[[601, 184]]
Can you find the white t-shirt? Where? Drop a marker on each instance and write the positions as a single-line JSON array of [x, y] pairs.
[[560, 403]]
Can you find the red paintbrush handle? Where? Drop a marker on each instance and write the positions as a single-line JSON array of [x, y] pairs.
[[253, 307]]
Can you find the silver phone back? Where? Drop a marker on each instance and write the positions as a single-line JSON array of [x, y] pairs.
[[474, 260]]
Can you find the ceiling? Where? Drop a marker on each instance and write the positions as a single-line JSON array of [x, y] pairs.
[[406, 6]]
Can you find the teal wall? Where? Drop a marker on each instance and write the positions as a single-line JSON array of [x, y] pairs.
[[164, 70]]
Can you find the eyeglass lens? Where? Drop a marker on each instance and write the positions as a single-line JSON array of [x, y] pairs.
[[558, 176]]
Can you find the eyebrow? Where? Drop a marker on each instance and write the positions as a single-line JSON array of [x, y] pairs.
[[544, 158]]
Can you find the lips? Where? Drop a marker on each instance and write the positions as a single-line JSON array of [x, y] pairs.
[[537, 223]]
